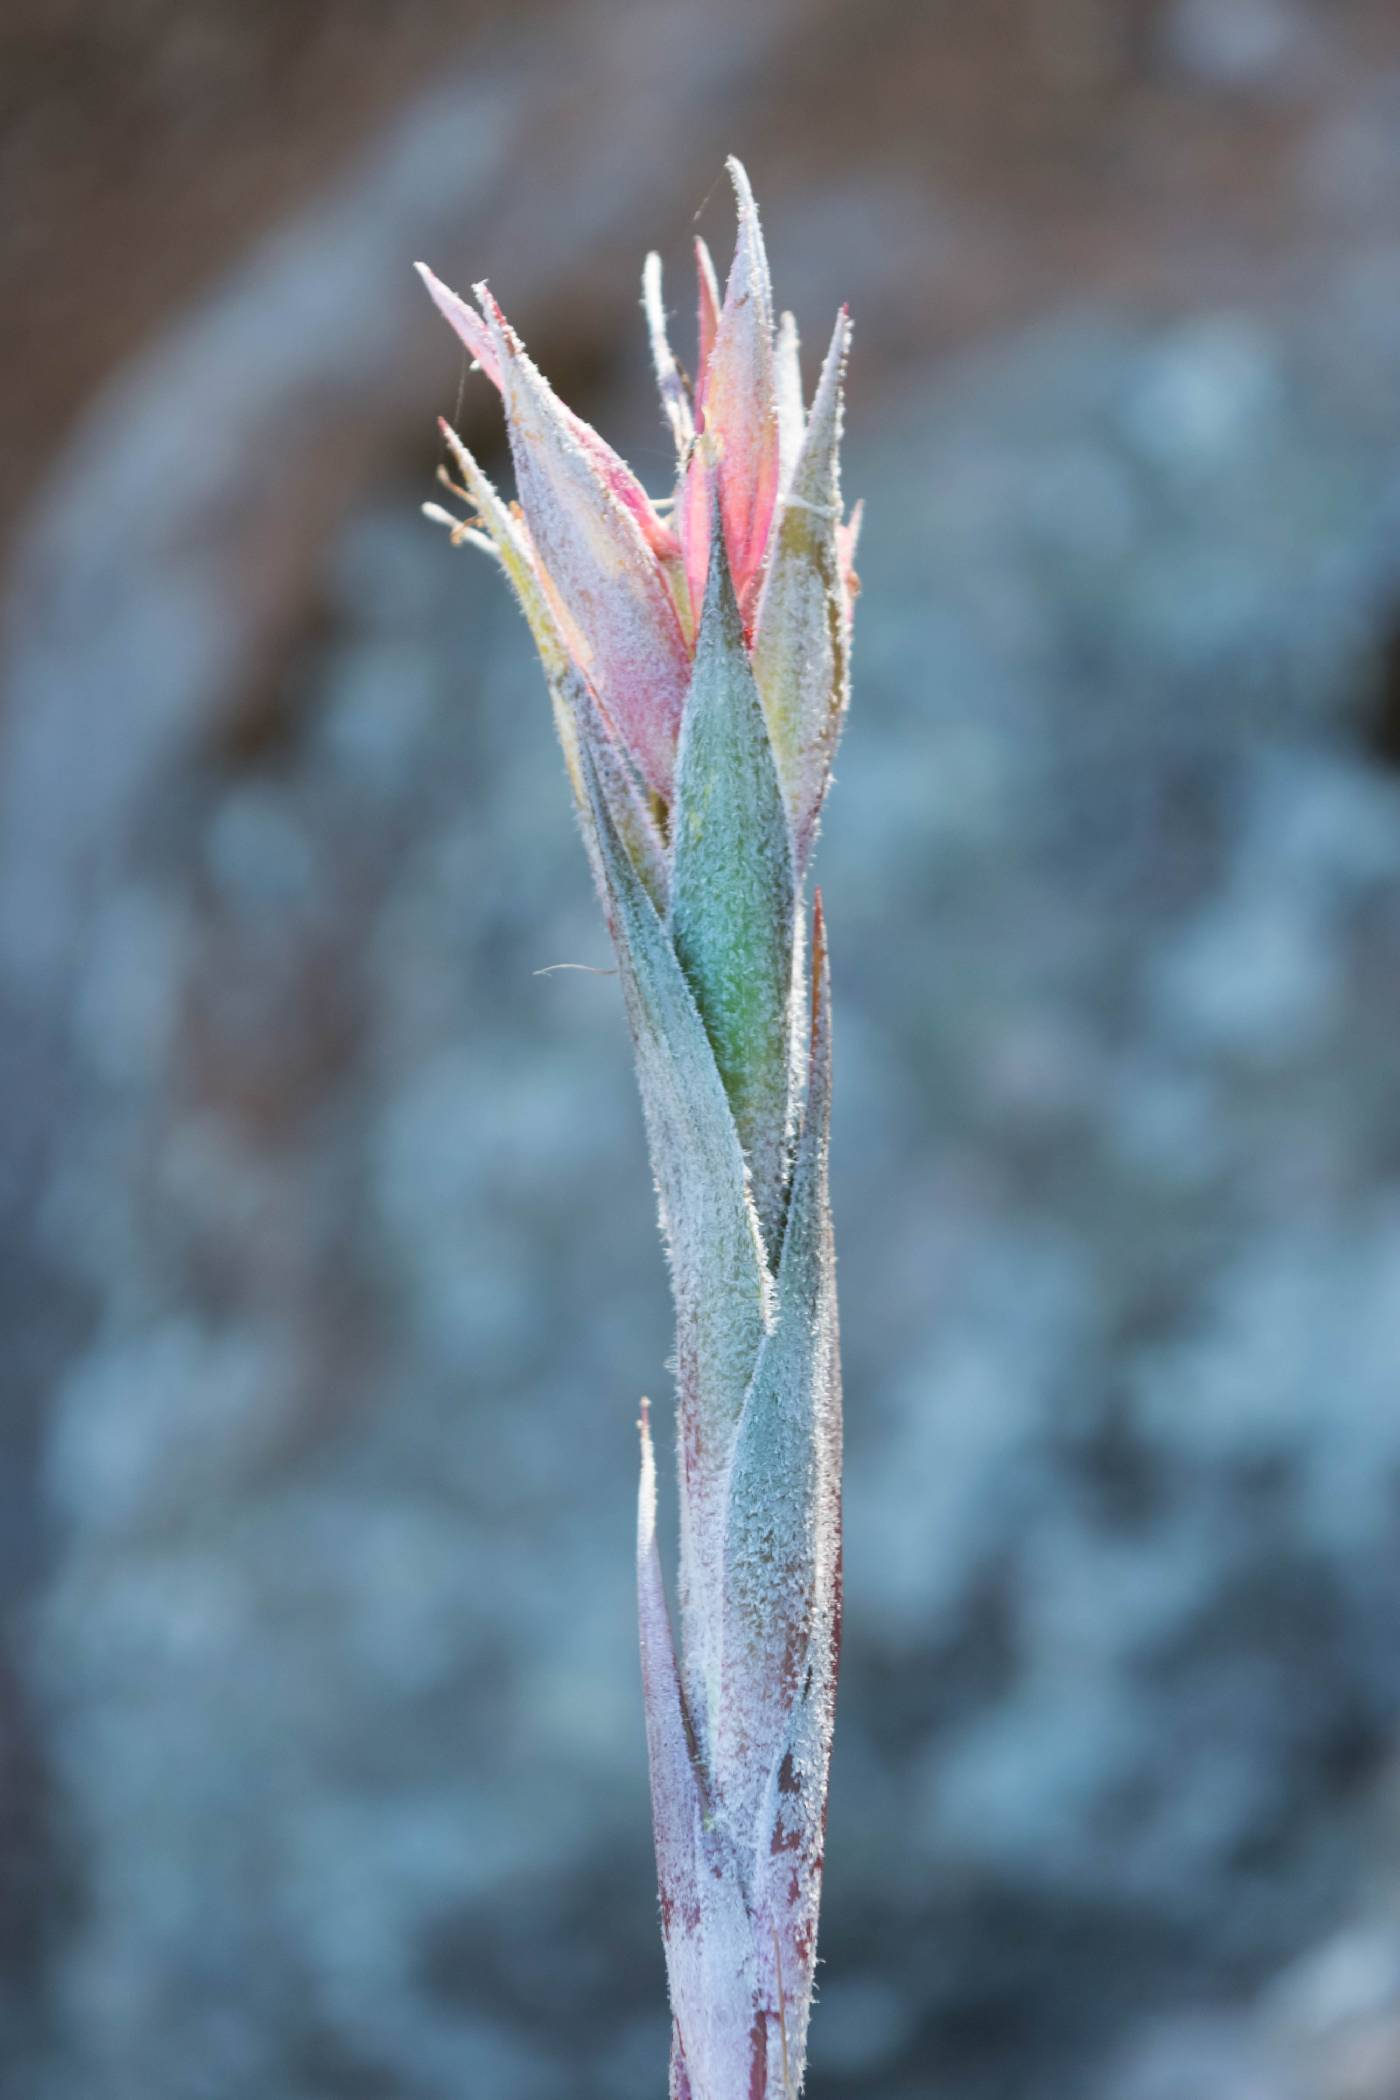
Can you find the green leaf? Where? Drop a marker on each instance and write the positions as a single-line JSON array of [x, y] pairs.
[[782, 1527], [733, 896], [719, 1277], [801, 655]]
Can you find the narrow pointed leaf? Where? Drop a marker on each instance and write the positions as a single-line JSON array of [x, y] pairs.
[[593, 549], [482, 338], [544, 617], [783, 1582], [732, 890], [576, 710], [611, 467], [792, 415], [791, 1851], [675, 399], [778, 1540], [705, 1925], [719, 1276], [695, 502], [741, 410], [465, 321], [801, 637], [707, 284], [679, 1806]]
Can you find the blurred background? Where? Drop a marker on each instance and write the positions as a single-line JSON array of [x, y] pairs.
[[328, 1271]]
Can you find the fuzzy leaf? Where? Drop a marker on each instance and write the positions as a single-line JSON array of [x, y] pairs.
[[593, 548], [695, 503], [732, 890], [611, 468], [782, 1560], [707, 284], [719, 1277], [576, 710], [778, 1539], [510, 542], [678, 1798], [705, 1924], [801, 639], [740, 402], [465, 322], [792, 416], [791, 1854], [675, 400], [482, 338]]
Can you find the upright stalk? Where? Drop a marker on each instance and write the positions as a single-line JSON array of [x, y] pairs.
[[696, 655]]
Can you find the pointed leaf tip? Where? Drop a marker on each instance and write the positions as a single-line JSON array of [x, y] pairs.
[[741, 407], [598, 542], [739, 175], [802, 630], [675, 400], [465, 324]]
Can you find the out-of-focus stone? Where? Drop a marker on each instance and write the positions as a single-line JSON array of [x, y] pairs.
[[1244, 44]]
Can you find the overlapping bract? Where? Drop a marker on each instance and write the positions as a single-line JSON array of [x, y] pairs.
[[697, 659]]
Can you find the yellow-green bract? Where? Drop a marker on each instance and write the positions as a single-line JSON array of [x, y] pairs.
[[697, 657]]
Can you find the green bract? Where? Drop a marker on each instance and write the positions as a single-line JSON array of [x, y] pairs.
[[733, 894]]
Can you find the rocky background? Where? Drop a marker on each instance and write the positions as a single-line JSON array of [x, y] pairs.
[[328, 1275]]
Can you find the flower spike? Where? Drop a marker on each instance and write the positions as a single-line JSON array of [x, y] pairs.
[[697, 667]]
